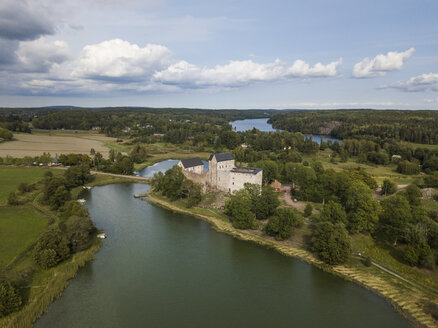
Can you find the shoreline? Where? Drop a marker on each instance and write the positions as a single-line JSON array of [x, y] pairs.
[[29, 314], [387, 287]]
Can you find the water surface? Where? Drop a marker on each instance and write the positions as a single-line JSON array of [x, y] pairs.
[[263, 125], [161, 269]]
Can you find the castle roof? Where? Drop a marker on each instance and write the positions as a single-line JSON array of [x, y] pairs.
[[221, 157], [191, 162], [246, 170]]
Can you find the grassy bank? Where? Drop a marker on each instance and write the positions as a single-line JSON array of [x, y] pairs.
[[20, 227], [410, 300]]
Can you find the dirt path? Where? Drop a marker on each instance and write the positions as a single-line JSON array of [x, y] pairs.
[[286, 197]]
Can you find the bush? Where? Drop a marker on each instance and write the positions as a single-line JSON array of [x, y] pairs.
[[24, 188], [13, 199], [10, 300], [308, 210], [388, 187]]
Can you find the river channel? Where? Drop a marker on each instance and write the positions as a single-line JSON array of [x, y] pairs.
[[162, 269]]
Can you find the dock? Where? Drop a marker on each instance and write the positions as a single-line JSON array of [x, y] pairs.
[[141, 195]]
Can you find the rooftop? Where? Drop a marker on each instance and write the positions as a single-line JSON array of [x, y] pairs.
[[191, 162], [221, 157], [246, 170]]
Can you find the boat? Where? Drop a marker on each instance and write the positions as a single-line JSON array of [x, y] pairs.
[[81, 201], [101, 235]]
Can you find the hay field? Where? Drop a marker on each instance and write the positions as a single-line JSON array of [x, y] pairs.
[[37, 143]]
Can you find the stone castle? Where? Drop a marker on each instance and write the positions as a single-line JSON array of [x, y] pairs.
[[222, 173]]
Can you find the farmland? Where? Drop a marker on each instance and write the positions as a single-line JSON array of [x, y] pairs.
[[55, 142]]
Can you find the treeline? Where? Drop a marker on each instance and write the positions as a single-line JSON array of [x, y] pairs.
[[375, 125], [70, 233]]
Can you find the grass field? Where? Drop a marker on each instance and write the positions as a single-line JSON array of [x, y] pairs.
[[55, 142], [11, 177], [19, 229]]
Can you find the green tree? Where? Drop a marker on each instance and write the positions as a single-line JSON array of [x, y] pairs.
[[282, 223], [395, 216], [10, 300], [77, 176], [51, 248], [138, 154], [333, 212], [308, 210], [79, 231], [239, 208], [61, 195], [264, 200], [388, 187], [362, 209], [331, 242], [412, 194]]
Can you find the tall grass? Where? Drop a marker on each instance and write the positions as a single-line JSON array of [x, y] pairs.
[[54, 288]]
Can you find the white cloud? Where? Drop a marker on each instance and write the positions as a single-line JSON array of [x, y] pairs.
[[431, 101], [41, 56], [239, 73], [118, 59], [381, 64], [301, 69], [421, 82]]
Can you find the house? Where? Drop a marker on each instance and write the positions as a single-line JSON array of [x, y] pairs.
[[95, 128], [194, 165], [53, 162], [276, 185]]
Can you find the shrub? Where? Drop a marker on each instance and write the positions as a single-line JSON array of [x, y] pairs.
[[331, 242], [308, 210]]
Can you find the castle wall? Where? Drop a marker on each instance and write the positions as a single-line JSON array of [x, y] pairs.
[[237, 180], [194, 169]]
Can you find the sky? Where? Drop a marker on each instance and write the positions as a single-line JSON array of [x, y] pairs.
[[220, 54]]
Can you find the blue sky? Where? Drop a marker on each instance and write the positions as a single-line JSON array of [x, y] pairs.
[[219, 54]]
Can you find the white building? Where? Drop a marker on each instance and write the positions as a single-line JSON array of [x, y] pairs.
[[222, 174]]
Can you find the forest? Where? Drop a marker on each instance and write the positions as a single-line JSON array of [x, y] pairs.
[[419, 126]]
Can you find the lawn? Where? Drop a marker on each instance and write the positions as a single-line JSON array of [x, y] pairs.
[[19, 229], [11, 177]]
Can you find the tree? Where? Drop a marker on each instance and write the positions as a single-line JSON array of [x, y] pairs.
[[5, 134], [331, 242], [61, 195], [10, 300], [264, 200], [308, 210], [271, 170], [333, 212], [79, 231], [138, 154], [431, 180], [406, 167], [77, 176], [239, 208], [51, 248], [395, 216], [282, 223], [13, 199], [388, 187], [362, 209], [412, 194], [418, 251]]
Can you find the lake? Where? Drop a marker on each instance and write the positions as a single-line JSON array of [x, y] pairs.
[[162, 269], [263, 125]]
